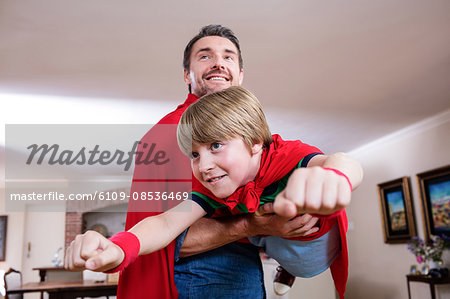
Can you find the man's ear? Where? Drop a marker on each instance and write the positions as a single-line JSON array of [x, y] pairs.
[[256, 148], [241, 77], [187, 77]]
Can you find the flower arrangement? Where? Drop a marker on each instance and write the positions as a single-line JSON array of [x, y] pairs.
[[428, 252]]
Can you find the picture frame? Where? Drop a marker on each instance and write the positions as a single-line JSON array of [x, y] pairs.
[[434, 189], [396, 205], [425, 269], [413, 270], [3, 228]]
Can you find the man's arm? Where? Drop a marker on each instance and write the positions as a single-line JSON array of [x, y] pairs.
[[207, 234]]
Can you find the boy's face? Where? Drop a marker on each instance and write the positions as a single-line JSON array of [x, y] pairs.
[[214, 66], [224, 166]]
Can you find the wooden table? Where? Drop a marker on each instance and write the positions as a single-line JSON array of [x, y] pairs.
[[427, 279], [68, 289], [43, 271]]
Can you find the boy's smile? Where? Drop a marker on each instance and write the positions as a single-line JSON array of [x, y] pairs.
[[224, 166]]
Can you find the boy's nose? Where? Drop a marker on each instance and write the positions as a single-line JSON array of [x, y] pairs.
[[205, 164]]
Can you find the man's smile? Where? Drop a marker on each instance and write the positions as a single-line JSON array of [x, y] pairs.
[[217, 76]]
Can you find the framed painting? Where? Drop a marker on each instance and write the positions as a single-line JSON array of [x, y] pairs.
[[434, 186], [3, 227], [399, 224]]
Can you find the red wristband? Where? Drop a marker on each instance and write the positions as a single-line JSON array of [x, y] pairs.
[[341, 174], [130, 245]]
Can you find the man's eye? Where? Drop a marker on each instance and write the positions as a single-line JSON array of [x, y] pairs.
[[204, 57], [229, 58], [216, 145]]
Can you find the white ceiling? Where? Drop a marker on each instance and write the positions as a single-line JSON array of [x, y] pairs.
[[336, 74]]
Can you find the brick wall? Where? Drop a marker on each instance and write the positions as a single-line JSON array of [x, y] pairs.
[[74, 223], [76, 209]]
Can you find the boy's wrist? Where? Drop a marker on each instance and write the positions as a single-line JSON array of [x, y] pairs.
[[337, 171], [130, 245]]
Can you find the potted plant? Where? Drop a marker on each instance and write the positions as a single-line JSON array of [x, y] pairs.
[[430, 253]]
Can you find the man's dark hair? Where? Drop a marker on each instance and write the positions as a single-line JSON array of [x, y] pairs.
[[211, 30]]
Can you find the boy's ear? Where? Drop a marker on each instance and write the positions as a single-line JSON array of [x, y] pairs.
[[256, 148]]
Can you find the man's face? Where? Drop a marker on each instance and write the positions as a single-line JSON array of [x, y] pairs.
[[214, 66]]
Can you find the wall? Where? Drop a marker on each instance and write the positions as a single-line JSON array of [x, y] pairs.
[[45, 232], [377, 270]]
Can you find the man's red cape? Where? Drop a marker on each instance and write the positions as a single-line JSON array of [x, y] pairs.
[[151, 275]]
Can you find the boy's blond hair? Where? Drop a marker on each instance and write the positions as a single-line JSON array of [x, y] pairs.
[[223, 115]]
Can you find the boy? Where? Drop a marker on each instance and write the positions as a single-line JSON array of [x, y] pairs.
[[231, 140], [237, 161]]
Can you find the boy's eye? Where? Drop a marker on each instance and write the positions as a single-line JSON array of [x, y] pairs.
[[216, 145], [194, 155]]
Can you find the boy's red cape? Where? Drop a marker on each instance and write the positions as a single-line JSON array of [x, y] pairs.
[[152, 275], [276, 162]]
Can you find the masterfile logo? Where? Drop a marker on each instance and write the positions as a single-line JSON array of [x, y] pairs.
[[96, 156], [63, 167]]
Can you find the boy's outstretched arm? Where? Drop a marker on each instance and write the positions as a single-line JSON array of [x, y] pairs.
[[94, 252], [321, 188]]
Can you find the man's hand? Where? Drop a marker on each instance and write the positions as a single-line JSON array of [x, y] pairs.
[[313, 190], [265, 222], [92, 251]]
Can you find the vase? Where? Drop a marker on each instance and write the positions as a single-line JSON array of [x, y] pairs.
[[434, 265]]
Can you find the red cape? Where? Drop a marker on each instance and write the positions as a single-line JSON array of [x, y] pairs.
[[339, 267], [152, 275]]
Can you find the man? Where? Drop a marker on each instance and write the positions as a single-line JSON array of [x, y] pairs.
[[212, 62], [213, 264]]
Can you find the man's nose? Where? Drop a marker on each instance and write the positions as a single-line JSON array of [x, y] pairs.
[[218, 63]]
